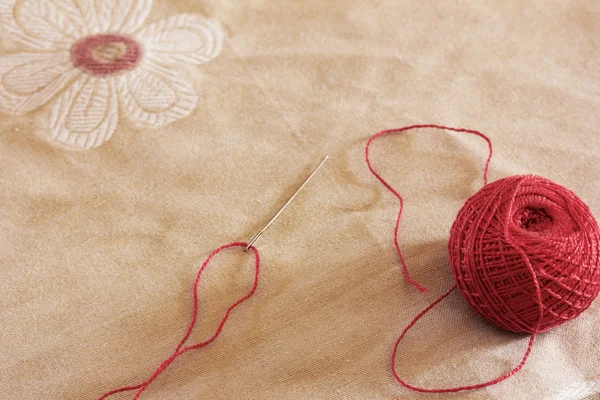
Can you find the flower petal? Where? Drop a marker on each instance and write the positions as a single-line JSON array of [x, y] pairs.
[[43, 25], [156, 96], [185, 38], [123, 16], [86, 115], [29, 80]]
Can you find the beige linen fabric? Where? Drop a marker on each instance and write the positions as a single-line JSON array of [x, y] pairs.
[[100, 248]]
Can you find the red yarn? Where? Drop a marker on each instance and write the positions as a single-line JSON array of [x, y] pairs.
[[531, 247], [180, 350], [524, 251], [395, 193]]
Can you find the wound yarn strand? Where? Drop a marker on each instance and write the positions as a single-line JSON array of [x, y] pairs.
[[180, 349], [524, 252]]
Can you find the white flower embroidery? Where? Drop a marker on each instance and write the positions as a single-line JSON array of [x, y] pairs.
[[93, 54]]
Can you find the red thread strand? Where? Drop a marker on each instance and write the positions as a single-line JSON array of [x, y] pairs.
[[180, 349], [419, 286], [459, 388], [400, 199], [524, 252]]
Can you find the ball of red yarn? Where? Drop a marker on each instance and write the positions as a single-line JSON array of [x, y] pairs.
[[525, 253]]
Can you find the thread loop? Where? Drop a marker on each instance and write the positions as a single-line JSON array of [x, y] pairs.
[[180, 349]]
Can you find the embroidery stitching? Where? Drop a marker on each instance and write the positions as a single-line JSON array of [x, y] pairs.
[[86, 60]]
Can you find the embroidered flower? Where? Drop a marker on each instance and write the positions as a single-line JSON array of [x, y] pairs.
[[91, 55]]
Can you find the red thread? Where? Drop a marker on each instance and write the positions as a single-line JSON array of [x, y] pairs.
[[395, 193], [532, 247], [180, 350], [524, 251]]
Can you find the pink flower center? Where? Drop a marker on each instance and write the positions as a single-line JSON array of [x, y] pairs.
[[106, 54]]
